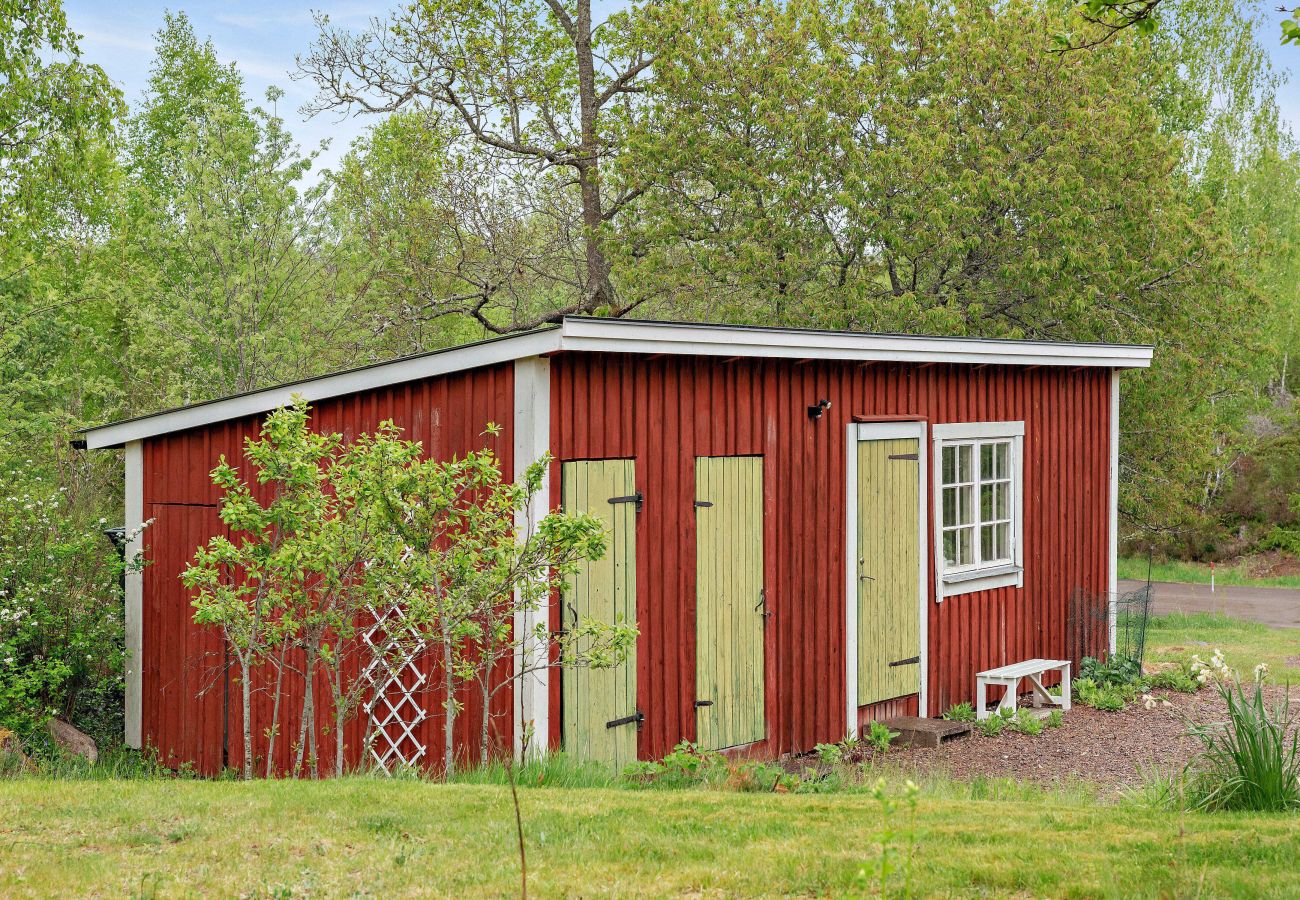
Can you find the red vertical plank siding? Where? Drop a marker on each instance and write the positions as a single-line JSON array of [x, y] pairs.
[[663, 412], [181, 663]]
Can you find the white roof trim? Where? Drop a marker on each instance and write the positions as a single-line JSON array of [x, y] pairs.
[[623, 336]]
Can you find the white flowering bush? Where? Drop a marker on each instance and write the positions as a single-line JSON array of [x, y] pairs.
[[61, 628]]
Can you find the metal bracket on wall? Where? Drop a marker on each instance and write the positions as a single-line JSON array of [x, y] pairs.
[[638, 717], [699, 703], [906, 662], [638, 498]]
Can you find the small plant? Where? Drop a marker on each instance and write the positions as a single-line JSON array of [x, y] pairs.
[[992, 726], [831, 754], [1108, 697], [1055, 719], [1173, 680], [1026, 722], [886, 865], [960, 712], [756, 776], [1118, 670], [880, 737], [685, 766], [1251, 761]]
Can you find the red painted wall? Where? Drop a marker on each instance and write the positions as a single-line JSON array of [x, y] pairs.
[[183, 679], [664, 412]]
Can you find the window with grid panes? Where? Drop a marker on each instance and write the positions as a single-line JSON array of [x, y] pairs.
[[976, 504]]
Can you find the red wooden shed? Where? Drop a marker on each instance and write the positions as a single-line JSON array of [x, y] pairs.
[[811, 529]]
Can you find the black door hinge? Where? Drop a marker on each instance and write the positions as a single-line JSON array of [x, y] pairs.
[[638, 498], [911, 456], [699, 703], [638, 717], [906, 662], [703, 504]]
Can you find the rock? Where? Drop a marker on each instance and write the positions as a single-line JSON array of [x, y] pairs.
[[71, 740], [11, 752]]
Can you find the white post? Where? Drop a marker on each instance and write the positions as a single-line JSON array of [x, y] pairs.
[[532, 438], [1112, 590], [851, 585], [133, 519]]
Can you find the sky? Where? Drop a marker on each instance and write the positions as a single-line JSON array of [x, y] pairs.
[[263, 37]]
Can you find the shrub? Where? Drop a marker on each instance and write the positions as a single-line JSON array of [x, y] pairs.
[[1179, 679], [61, 628], [1251, 761], [992, 726], [1055, 719], [960, 712]]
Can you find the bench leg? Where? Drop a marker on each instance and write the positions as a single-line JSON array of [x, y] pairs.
[[981, 699], [1065, 686], [1009, 696]]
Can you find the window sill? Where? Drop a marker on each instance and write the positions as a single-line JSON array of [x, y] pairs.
[[982, 580]]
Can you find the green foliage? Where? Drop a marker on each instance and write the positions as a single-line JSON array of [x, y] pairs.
[[1181, 678], [1027, 721], [960, 712], [1251, 761], [61, 629], [879, 736], [1116, 671], [992, 726], [1103, 696], [1055, 719], [887, 863], [831, 754], [686, 766]]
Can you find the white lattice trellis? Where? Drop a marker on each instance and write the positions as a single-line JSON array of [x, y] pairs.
[[395, 680]]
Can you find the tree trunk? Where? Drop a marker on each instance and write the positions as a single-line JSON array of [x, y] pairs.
[[448, 705], [307, 728], [599, 291], [245, 693], [485, 684], [275, 717], [340, 715]]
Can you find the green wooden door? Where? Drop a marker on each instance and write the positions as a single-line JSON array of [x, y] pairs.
[[889, 623], [604, 590], [730, 606]]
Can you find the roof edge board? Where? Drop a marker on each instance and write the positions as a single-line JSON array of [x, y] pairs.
[[456, 359], [632, 337]]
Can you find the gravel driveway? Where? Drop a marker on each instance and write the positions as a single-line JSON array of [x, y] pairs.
[[1272, 606]]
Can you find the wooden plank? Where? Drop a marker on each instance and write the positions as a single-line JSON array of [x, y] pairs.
[[603, 590]]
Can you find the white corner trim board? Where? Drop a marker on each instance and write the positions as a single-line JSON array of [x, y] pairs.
[[576, 334], [134, 519], [1112, 557], [532, 440]]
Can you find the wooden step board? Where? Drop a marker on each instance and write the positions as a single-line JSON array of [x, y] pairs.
[[918, 732]]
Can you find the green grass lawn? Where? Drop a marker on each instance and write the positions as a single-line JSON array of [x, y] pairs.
[[392, 838], [1244, 644], [1199, 573], [587, 834]]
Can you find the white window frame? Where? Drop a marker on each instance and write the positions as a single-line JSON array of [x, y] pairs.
[[978, 576]]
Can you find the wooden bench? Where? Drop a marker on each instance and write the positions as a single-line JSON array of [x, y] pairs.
[[1009, 678]]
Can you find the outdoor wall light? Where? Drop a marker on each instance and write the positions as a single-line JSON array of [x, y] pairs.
[[815, 411]]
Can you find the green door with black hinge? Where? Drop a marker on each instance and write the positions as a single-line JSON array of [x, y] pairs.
[[730, 602], [889, 618], [599, 705]]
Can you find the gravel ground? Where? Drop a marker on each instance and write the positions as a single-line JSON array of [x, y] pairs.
[[1108, 748]]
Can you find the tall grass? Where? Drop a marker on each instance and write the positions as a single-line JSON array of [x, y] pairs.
[[1199, 573], [1250, 762]]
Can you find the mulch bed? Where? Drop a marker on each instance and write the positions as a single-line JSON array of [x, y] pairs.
[[1107, 748]]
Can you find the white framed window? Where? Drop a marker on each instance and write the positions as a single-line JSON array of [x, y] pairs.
[[978, 490]]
